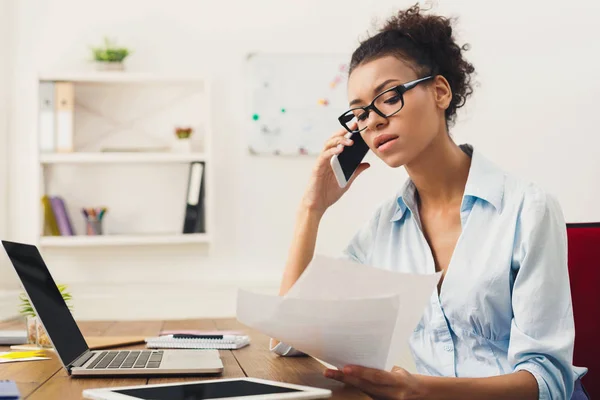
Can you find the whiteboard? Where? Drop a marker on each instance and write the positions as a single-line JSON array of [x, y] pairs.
[[294, 101]]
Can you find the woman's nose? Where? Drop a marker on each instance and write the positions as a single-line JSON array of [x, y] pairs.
[[375, 121]]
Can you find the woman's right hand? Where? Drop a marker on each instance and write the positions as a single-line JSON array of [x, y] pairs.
[[323, 189]]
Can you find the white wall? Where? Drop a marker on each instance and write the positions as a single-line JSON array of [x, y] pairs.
[[534, 111], [8, 281], [6, 62]]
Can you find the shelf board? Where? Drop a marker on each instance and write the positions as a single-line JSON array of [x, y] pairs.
[[123, 240], [118, 157], [119, 77]]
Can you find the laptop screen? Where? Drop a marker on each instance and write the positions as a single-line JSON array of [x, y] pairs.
[[47, 300]]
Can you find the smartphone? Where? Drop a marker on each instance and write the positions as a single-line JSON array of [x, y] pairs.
[[345, 163]]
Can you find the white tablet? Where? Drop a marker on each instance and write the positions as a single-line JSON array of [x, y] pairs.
[[222, 389]]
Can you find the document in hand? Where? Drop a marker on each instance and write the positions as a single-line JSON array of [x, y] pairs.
[[343, 312]]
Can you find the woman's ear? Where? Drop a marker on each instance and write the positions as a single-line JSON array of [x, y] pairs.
[[442, 92]]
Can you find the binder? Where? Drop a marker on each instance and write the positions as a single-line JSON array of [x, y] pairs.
[[47, 138], [62, 216], [194, 209], [50, 224], [64, 105]]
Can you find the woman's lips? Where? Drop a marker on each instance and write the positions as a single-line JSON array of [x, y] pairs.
[[387, 145]]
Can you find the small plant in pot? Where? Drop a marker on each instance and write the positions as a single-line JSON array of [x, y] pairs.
[[183, 133], [182, 142], [110, 57], [36, 334]]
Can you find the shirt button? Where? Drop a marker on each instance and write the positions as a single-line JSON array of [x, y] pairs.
[[448, 347]]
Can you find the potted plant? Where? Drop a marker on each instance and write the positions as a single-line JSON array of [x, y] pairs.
[[36, 334], [182, 142], [110, 57]]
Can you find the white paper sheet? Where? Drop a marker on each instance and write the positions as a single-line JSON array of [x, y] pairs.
[[12, 360], [344, 313]]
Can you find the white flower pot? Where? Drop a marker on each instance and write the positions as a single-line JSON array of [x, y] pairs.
[[182, 146], [109, 66]]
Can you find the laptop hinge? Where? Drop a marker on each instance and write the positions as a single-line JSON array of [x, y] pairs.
[[81, 360]]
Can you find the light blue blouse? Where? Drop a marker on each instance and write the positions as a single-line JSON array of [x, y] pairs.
[[505, 302]]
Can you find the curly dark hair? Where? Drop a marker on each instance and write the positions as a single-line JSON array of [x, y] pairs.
[[426, 44]]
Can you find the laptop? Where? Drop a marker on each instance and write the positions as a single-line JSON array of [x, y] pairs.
[[71, 347]]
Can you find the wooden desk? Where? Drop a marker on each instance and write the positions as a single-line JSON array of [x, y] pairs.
[[48, 380]]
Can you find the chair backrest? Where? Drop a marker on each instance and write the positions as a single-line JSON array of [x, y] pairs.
[[584, 274]]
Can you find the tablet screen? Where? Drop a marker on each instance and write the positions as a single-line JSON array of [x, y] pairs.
[[200, 391]]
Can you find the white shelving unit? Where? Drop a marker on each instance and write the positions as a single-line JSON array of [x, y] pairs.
[[73, 175], [122, 240], [120, 158], [120, 77]]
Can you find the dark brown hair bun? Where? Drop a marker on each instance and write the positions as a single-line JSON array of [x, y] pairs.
[[427, 44]]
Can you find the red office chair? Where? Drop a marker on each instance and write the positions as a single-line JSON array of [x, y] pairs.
[[584, 274]]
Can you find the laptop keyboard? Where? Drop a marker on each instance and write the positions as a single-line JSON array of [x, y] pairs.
[[127, 359]]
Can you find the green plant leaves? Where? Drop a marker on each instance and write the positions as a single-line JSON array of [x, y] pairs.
[[110, 52], [26, 309]]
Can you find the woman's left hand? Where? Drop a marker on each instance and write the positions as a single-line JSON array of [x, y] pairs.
[[379, 384]]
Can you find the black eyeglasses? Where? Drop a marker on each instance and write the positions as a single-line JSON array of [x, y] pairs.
[[386, 104]]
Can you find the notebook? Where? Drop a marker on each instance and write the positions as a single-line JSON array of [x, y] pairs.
[[9, 390], [188, 341]]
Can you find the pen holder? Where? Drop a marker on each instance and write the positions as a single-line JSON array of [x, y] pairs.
[[93, 227]]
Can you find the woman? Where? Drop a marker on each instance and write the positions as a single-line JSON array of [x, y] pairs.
[[500, 324]]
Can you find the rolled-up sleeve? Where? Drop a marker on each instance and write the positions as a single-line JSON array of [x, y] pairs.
[[542, 329]]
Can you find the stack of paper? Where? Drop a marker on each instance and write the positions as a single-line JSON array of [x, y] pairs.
[[344, 313]]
